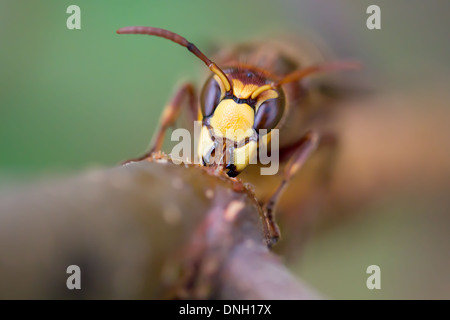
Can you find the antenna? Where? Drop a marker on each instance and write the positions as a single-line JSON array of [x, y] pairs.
[[162, 33], [305, 72]]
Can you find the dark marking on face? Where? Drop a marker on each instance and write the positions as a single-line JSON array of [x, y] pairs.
[[232, 170]]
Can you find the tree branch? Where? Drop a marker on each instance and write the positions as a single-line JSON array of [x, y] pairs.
[[145, 230]]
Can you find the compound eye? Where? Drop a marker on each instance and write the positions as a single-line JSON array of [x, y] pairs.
[[269, 114], [210, 97]]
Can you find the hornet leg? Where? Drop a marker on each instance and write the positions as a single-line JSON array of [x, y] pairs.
[[169, 116], [304, 150]]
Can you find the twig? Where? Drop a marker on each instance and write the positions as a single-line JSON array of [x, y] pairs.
[[145, 230]]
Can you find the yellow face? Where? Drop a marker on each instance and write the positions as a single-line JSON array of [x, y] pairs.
[[231, 124], [229, 136]]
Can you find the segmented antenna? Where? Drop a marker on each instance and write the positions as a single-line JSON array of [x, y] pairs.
[[303, 73], [183, 42]]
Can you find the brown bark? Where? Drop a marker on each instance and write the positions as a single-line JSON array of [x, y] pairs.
[[145, 230]]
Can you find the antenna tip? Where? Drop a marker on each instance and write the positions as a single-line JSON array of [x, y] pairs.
[[125, 30]]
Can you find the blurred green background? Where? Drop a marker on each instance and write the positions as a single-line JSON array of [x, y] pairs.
[[73, 99]]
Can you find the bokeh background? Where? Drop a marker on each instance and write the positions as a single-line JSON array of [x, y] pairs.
[[76, 99]]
